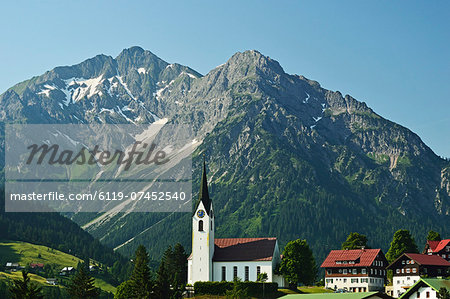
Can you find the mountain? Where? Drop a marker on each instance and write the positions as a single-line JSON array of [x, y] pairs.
[[286, 157]]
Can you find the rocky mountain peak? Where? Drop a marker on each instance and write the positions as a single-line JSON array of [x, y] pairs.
[[252, 62]]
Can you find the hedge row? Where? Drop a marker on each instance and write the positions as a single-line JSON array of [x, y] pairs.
[[221, 287]]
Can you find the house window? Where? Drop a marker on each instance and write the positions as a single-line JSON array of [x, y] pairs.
[[200, 226], [408, 270], [258, 271], [427, 294], [418, 295], [371, 271], [345, 271], [235, 272], [403, 262], [246, 273], [363, 271], [224, 273], [355, 271], [403, 270], [329, 271]]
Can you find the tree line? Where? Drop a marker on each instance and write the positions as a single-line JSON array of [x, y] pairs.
[[298, 266]]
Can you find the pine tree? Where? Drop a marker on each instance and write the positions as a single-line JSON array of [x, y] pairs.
[[24, 289], [141, 282], [180, 265], [164, 277], [82, 284]]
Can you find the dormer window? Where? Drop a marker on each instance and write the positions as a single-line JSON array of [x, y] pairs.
[[200, 226]]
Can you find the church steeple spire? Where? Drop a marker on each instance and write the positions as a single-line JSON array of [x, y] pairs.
[[204, 194]]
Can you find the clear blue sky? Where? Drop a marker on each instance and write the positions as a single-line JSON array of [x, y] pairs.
[[394, 55]]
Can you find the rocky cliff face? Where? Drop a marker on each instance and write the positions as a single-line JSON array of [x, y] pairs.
[[286, 157]]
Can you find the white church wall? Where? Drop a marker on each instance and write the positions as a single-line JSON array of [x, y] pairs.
[[201, 248], [266, 266]]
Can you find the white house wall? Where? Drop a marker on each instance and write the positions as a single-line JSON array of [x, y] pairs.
[[423, 293], [401, 281], [372, 284]]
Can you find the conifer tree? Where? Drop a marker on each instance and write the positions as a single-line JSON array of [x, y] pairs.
[[164, 277], [180, 265], [24, 289], [82, 284], [141, 282]]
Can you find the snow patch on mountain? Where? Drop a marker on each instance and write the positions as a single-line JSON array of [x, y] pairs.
[[307, 98], [78, 88], [47, 89], [142, 70], [189, 74], [316, 119]]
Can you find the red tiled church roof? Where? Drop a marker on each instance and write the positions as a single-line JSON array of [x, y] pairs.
[[365, 256], [244, 249]]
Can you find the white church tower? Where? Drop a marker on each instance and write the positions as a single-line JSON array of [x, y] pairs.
[[200, 263]]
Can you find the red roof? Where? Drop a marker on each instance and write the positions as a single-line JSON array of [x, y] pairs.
[[441, 245], [425, 259], [244, 249], [34, 265], [361, 257], [433, 244]]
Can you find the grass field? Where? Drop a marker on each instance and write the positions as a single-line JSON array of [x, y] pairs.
[[18, 275], [312, 290], [25, 253]]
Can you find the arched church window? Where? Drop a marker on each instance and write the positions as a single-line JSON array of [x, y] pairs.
[[200, 226]]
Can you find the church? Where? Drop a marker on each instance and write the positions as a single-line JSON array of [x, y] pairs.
[[226, 259]]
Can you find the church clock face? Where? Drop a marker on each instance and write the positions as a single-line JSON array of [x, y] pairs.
[[200, 213]]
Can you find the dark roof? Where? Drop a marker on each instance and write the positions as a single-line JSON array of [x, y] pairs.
[[244, 249], [423, 260], [361, 257], [203, 195]]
